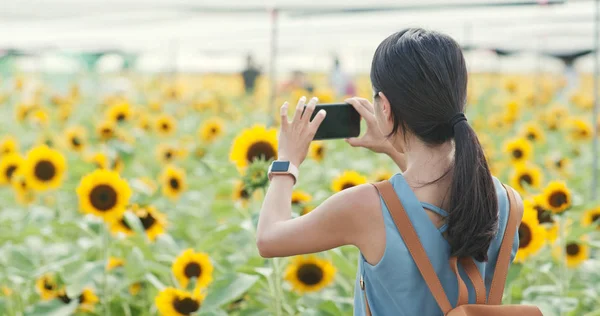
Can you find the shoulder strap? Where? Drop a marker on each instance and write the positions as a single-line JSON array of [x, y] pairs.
[[476, 279], [413, 244], [503, 262]]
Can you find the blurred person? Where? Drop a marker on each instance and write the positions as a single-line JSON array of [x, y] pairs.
[[250, 74], [444, 187], [298, 80], [340, 80]]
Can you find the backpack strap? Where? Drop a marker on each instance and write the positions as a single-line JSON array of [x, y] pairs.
[[413, 244], [476, 279], [503, 262]]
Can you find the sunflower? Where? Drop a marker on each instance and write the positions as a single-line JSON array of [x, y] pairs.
[[106, 130], [300, 197], [591, 217], [87, 299], [144, 123], [46, 286], [576, 252], [173, 182], [175, 302], [382, 175], [44, 168], [307, 209], [544, 216], [211, 129], [75, 138], [254, 143], [99, 159], [533, 133], [560, 164], [532, 236], [114, 262], [526, 177], [24, 194], [317, 151], [309, 273], [166, 153], [9, 164], [135, 288], [8, 145], [580, 130], [165, 125], [519, 150], [39, 117], [23, 111], [119, 113], [103, 193], [557, 197], [152, 220], [347, 180], [190, 264], [240, 193]]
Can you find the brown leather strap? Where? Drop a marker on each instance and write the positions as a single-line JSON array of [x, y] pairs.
[[413, 244], [463, 292], [503, 262], [476, 279]]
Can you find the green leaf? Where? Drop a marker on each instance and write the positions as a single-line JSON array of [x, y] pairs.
[[228, 289], [329, 308], [217, 312], [513, 272], [53, 308], [135, 223], [135, 265], [343, 264], [79, 279], [18, 259]]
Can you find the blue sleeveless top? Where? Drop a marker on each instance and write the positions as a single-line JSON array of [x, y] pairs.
[[394, 285]]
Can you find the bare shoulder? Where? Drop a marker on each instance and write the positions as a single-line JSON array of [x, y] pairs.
[[363, 198]]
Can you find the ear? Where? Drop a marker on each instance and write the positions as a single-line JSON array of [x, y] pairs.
[[386, 107]]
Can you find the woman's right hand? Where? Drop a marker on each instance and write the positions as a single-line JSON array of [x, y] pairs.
[[373, 139]]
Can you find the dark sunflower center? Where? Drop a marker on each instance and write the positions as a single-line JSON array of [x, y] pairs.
[[174, 183], [121, 117], [185, 306], [107, 131], [310, 274], [583, 132], [295, 201], [544, 216], [559, 163], [192, 270], [9, 171], [262, 150], [524, 235], [557, 199], [48, 285], [595, 218], [531, 136], [244, 194], [44, 170], [168, 155], [347, 185], [147, 220], [319, 151], [75, 141], [517, 153], [165, 126], [64, 298], [526, 178], [213, 130], [572, 249], [103, 197]]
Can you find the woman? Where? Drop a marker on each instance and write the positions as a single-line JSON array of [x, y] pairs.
[[419, 80]]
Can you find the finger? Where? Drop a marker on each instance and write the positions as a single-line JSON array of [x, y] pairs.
[[367, 105], [364, 113], [310, 108], [354, 141], [316, 122], [283, 111], [299, 109]]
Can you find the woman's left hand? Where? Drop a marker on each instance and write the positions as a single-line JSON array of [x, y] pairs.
[[295, 136]]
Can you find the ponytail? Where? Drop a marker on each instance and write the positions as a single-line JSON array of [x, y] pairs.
[[473, 214]]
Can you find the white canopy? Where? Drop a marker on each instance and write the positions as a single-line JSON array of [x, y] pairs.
[[215, 35]]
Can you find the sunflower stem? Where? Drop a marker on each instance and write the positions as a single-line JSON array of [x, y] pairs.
[[563, 261], [106, 244], [278, 290]]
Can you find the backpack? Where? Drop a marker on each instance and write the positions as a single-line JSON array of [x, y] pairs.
[[490, 308]]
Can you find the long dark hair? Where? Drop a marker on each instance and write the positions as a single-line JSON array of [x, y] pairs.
[[423, 75]]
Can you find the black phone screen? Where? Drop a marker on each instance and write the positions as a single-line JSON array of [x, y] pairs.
[[342, 121]]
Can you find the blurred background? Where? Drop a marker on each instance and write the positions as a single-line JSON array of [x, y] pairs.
[[135, 136]]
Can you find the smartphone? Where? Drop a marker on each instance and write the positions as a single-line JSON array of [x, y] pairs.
[[342, 121]]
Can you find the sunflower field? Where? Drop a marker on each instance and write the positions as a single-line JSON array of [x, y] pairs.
[[144, 201]]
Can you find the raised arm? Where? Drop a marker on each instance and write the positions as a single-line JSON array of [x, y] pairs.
[[345, 218]]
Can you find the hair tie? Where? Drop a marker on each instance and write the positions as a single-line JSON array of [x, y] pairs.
[[459, 117]]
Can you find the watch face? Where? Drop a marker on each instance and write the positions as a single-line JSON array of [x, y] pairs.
[[280, 166]]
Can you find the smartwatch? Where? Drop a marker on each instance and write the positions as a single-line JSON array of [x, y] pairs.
[[283, 167]]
